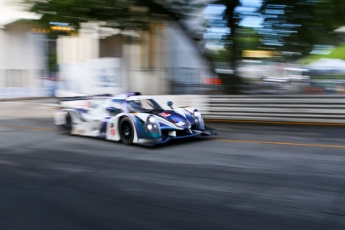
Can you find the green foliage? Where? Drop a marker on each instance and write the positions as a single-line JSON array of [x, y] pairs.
[[338, 53], [232, 18], [298, 25], [129, 14], [219, 56], [76, 11], [328, 77], [332, 11], [246, 39]]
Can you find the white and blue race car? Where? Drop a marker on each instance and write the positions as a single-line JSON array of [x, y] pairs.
[[131, 118]]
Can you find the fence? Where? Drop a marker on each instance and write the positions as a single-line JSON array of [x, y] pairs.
[[325, 109], [296, 108]]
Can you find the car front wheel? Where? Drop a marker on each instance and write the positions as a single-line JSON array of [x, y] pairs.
[[126, 131]]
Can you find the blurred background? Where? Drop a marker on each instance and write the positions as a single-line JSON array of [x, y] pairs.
[[172, 47]]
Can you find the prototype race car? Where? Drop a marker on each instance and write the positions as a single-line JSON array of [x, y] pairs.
[[131, 118]]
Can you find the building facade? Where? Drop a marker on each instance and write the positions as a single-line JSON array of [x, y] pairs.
[[160, 60], [22, 55]]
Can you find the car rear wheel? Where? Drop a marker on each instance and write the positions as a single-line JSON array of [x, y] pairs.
[[67, 127], [126, 131], [69, 123]]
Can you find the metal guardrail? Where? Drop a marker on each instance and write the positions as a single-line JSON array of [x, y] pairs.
[[278, 108], [311, 109]]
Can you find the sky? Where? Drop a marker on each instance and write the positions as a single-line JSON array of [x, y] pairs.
[[248, 6]]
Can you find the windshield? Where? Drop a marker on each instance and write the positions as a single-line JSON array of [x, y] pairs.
[[144, 106]]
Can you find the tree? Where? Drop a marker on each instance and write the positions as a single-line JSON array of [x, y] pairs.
[[296, 26], [232, 20], [232, 44], [333, 11], [127, 14]]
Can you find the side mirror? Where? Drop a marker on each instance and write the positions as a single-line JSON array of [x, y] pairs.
[[169, 103]]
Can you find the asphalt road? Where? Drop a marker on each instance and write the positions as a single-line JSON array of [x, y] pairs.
[[247, 177]]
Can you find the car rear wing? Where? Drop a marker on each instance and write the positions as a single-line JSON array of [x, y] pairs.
[[73, 100], [68, 99], [83, 98]]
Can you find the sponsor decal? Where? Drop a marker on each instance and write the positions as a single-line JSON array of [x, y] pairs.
[[180, 123], [165, 114], [112, 130]]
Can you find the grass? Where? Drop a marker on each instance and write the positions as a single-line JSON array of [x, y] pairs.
[[328, 77], [338, 53]]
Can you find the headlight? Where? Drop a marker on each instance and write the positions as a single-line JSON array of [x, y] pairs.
[[197, 114], [199, 122], [152, 126], [152, 119]]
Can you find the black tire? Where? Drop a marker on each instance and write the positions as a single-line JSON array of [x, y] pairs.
[[126, 131], [67, 127]]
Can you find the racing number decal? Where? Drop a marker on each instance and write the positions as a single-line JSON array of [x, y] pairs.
[[112, 130]]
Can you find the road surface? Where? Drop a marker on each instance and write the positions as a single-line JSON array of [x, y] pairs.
[[247, 177]]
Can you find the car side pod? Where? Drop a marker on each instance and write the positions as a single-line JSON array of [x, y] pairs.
[[209, 131]]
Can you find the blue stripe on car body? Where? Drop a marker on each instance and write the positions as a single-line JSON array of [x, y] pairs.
[[81, 110], [103, 128]]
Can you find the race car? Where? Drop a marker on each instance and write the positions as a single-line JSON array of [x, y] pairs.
[[131, 118]]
